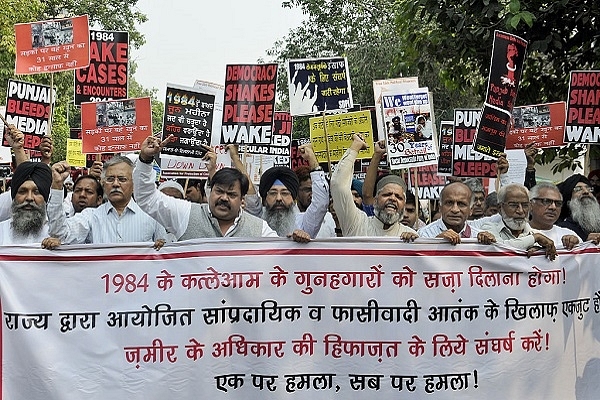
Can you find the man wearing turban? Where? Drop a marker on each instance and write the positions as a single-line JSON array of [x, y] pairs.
[[580, 210], [279, 190], [30, 188]]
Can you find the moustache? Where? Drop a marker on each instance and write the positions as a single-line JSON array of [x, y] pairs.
[[27, 203], [223, 203], [116, 190]]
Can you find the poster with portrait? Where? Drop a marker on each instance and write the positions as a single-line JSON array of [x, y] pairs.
[[384, 87], [409, 122], [319, 85], [115, 126], [52, 46]]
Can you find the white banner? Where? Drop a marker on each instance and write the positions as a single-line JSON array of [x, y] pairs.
[[333, 319]]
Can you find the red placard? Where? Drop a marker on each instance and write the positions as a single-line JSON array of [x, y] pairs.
[[53, 45], [115, 126], [543, 124]]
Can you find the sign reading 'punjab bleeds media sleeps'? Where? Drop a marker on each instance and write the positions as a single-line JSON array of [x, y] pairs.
[[28, 109], [249, 104], [583, 108]]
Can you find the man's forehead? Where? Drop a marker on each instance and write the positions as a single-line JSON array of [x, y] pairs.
[[235, 186], [28, 184], [549, 192], [278, 186]]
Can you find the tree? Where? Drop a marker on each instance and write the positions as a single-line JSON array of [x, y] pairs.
[[109, 15], [366, 33], [457, 36]]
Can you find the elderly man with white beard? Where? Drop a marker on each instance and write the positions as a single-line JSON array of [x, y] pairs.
[[580, 210], [513, 229], [30, 189], [388, 207]]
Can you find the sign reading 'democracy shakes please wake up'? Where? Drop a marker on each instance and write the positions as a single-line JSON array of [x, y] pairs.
[[249, 104], [583, 107], [272, 319]]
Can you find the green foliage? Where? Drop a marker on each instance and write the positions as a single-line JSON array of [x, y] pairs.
[[368, 34], [120, 15], [562, 35]]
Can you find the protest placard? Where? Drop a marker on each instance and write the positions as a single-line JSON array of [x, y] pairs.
[[385, 87], [508, 55], [52, 46], [446, 148], [106, 76], [115, 126], [583, 108], [408, 119], [188, 116], [318, 85], [465, 161], [338, 130], [249, 105], [28, 108], [543, 124]]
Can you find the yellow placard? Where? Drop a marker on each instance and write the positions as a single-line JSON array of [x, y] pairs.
[[75, 157], [340, 128]]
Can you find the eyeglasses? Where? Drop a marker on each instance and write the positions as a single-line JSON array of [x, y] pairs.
[[121, 179], [282, 193], [547, 202], [578, 189], [515, 205]]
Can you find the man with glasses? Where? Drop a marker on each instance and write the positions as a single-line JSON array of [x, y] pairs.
[[513, 229], [118, 220], [546, 202], [580, 210]]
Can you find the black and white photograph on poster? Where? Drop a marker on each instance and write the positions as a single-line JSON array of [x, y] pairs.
[[319, 85], [408, 119], [384, 87], [51, 33], [115, 113]]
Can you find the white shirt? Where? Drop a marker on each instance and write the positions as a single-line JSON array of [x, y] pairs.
[[7, 238], [102, 224], [556, 234]]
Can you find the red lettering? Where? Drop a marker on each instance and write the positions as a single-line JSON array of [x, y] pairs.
[[464, 135]]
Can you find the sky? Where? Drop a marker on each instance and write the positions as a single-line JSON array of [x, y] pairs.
[[189, 39]]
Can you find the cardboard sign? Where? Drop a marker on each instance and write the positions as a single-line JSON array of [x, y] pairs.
[[106, 76], [583, 113], [446, 148], [52, 46], [465, 161], [189, 117], [115, 126], [338, 130], [249, 104], [319, 85], [28, 108], [508, 55], [543, 124]]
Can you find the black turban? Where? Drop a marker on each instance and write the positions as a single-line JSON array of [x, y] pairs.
[[284, 174], [38, 172], [566, 189]]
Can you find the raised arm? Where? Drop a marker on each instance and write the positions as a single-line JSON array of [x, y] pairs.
[[371, 175]]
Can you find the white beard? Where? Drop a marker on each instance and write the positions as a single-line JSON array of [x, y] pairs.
[[586, 212], [387, 217], [25, 222], [281, 221]]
